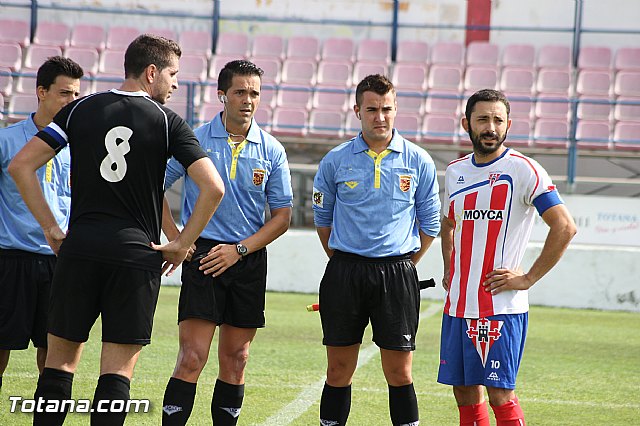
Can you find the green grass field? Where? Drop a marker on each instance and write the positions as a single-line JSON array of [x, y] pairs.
[[581, 367]]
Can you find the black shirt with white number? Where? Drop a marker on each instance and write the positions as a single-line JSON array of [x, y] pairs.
[[119, 144]]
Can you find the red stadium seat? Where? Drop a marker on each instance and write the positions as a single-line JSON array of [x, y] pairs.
[[236, 44], [483, 53], [272, 69], [88, 36], [119, 38], [337, 49], [373, 51], [263, 118], [52, 34], [335, 73], [25, 83], [554, 56], [268, 46], [443, 102], [626, 136], [86, 57], [163, 32], [593, 82], [627, 109], [11, 56], [551, 133], [21, 105], [444, 77], [330, 98], [15, 31], [519, 56], [298, 71], [627, 58], [594, 108], [363, 69], [112, 62], [593, 134], [412, 51], [519, 132], [303, 47], [627, 84], [293, 96], [193, 68], [6, 82], [595, 57], [411, 76], [554, 81], [553, 106], [217, 62], [36, 55], [440, 129], [408, 125], [480, 77], [199, 43], [289, 122], [326, 124], [518, 80], [521, 106], [449, 53]]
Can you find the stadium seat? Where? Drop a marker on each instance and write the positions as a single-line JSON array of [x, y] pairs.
[[551, 133], [263, 118], [363, 69], [294, 96], [627, 58], [303, 47], [299, 71], [119, 37], [443, 102], [289, 122], [11, 56], [209, 91], [15, 31], [106, 82], [594, 108], [268, 46], [483, 53], [193, 68], [627, 109], [52, 34], [268, 95], [199, 43], [337, 49], [412, 51], [554, 81], [36, 55], [326, 124], [88, 36], [111, 62], [627, 83], [521, 105], [217, 62], [447, 53], [408, 125], [410, 101], [594, 57], [6, 82], [25, 83], [518, 80], [412, 76], [593, 134], [272, 68], [208, 111], [87, 85], [370, 50], [593, 82], [20, 106], [554, 56], [86, 57], [480, 77], [519, 56], [553, 106], [163, 32], [335, 73], [519, 134], [352, 126], [179, 108], [330, 98], [233, 44], [626, 136], [444, 77], [440, 129]]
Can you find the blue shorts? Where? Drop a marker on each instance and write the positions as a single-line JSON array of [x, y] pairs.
[[485, 351]]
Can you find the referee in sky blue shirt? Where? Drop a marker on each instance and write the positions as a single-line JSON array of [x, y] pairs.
[[26, 260], [224, 283], [377, 210]]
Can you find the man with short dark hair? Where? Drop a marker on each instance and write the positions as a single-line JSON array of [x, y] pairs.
[[109, 263], [376, 210], [224, 283], [491, 196], [26, 260]]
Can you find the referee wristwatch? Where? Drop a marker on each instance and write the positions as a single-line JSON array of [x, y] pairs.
[[242, 250]]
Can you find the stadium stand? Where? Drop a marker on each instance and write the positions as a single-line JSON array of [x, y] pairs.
[[449, 53], [519, 56], [338, 49], [6, 82], [326, 123], [231, 44], [11, 56], [412, 51], [289, 122], [20, 106], [593, 134], [92, 36], [86, 57], [35, 55], [267, 46], [52, 34], [482, 53], [199, 43], [303, 47], [119, 37], [369, 50], [15, 31]]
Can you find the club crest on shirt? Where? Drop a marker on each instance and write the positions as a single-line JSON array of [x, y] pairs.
[[483, 333], [493, 177], [318, 198], [352, 184], [405, 182], [258, 176]]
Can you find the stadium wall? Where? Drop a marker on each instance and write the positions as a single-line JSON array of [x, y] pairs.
[[600, 269]]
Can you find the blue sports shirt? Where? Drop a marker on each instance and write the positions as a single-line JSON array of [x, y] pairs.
[[19, 230], [376, 204], [259, 175]]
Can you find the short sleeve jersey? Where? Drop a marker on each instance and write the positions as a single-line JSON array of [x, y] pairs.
[[120, 143], [493, 206]]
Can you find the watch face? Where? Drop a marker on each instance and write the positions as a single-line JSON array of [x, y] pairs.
[[242, 250]]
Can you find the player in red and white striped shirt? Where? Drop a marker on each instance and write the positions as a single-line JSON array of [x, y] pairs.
[[492, 197]]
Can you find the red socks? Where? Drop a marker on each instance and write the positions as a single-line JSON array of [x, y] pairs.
[[509, 414], [474, 415]]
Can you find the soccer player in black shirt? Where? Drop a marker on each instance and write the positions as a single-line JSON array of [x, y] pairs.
[[109, 262]]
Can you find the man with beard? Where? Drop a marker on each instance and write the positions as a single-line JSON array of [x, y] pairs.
[[492, 195]]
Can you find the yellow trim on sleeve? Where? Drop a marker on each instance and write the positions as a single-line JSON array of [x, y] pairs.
[[377, 159], [48, 171], [235, 153]]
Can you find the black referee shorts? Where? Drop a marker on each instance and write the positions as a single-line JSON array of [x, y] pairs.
[[237, 297], [125, 297], [355, 290], [25, 284]]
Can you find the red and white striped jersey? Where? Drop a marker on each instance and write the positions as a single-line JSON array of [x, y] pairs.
[[492, 205]]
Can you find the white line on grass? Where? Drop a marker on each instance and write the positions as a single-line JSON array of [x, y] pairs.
[[311, 394]]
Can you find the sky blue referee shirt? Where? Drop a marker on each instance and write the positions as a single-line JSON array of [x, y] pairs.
[[261, 176], [377, 207], [18, 228]]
